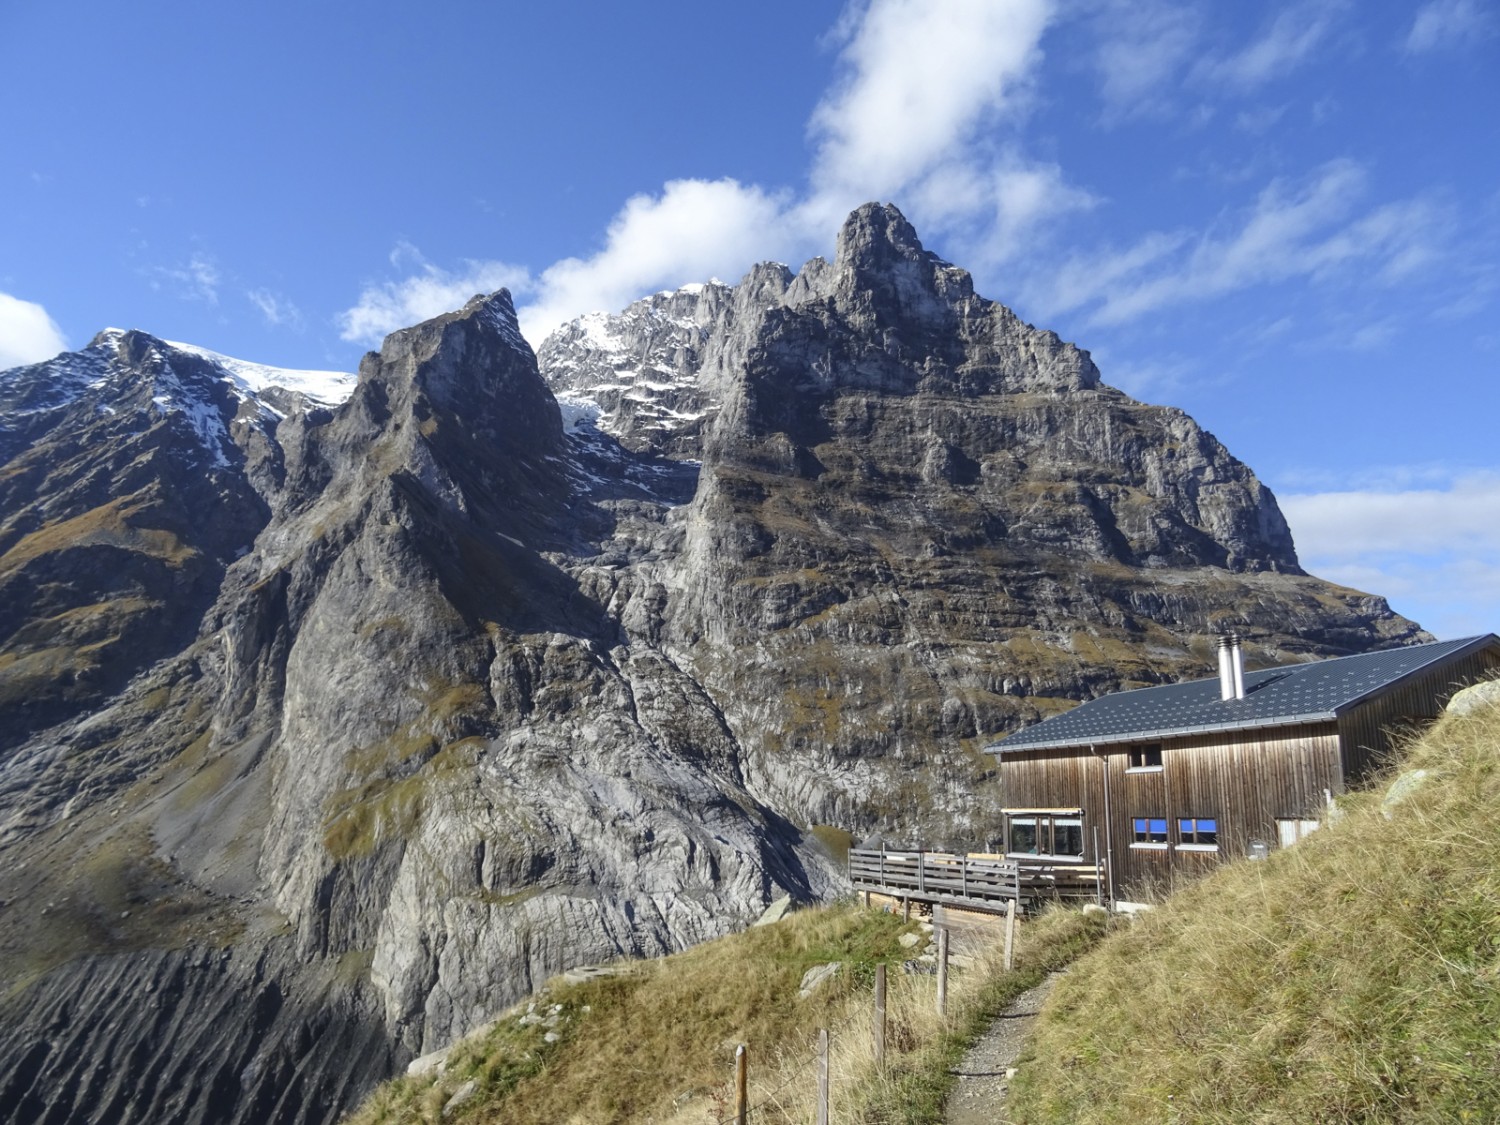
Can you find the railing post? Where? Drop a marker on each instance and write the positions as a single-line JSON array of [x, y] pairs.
[[879, 1028], [741, 1086], [942, 972], [823, 1077], [921, 872]]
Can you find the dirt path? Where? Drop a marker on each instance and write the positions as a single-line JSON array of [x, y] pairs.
[[979, 1097]]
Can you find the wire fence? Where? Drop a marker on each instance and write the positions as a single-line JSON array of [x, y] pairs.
[[769, 1099]]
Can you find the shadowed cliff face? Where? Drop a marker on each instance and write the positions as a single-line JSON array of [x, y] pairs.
[[458, 689]]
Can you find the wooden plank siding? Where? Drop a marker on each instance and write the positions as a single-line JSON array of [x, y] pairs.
[[1372, 731], [1246, 779], [1243, 779]]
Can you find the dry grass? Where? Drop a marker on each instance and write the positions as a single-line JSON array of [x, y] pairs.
[[1355, 977], [656, 1044]]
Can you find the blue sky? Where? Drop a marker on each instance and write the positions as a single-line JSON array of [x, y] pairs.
[[1284, 218]]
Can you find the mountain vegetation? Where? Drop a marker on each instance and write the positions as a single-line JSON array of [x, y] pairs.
[[656, 1040]]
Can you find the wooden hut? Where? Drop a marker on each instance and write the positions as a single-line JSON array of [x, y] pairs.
[[1163, 782]]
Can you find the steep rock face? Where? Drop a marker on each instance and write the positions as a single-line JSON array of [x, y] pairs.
[[410, 767], [478, 683], [921, 522]]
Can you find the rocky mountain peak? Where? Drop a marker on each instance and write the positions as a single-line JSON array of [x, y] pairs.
[[877, 235], [472, 364], [882, 269]]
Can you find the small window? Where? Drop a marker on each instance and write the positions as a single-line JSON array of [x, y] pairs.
[[1150, 830], [1146, 757], [1202, 831]]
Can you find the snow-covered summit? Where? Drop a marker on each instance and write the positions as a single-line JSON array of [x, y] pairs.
[[321, 388], [125, 375], [640, 367]]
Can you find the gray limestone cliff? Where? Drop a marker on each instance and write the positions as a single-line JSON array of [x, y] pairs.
[[332, 728]]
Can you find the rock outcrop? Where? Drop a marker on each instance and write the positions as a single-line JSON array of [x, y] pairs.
[[332, 728]]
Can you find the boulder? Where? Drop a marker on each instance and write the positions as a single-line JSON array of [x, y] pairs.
[[1474, 698], [776, 911], [813, 979]]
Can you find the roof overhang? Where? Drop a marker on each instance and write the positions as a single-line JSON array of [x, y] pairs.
[[1119, 739]]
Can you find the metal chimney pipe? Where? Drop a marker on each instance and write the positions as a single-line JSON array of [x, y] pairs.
[[1226, 669], [1237, 664]]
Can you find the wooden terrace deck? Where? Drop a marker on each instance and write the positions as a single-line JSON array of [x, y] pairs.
[[975, 881]]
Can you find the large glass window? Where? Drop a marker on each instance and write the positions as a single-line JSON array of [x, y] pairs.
[[1041, 834], [1067, 835]]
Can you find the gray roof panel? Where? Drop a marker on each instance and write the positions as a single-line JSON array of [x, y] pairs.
[[1292, 693]]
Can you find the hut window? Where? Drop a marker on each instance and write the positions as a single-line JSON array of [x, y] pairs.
[[1145, 757], [1039, 834], [1198, 832], [1150, 832]]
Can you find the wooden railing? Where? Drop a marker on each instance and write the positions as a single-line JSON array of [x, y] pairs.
[[979, 881]]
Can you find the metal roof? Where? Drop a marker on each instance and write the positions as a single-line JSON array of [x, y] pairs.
[[1318, 691]]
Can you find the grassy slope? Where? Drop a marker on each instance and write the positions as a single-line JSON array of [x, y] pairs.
[[657, 1042], [1355, 977]]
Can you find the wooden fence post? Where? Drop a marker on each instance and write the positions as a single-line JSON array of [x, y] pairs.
[[880, 1016], [741, 1086], [942, 972], [1010, 933], [823, 1077]]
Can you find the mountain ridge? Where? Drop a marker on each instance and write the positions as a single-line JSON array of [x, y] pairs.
[[480, 678]]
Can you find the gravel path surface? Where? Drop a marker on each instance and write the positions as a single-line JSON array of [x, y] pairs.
[[979, 1097]]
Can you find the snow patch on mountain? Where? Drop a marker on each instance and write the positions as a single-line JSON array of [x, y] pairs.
[[321, 388]]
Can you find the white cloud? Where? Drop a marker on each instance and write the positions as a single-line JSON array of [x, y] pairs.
[[1143, 45], [27, 333], [918, 80], [694, 230], [1287, 44], [1432, 551], [277, 309], [1307, 231], [917, 84], [1446, 24], [1258, 122], [1465, 515], [196, 280], [387, 306]]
